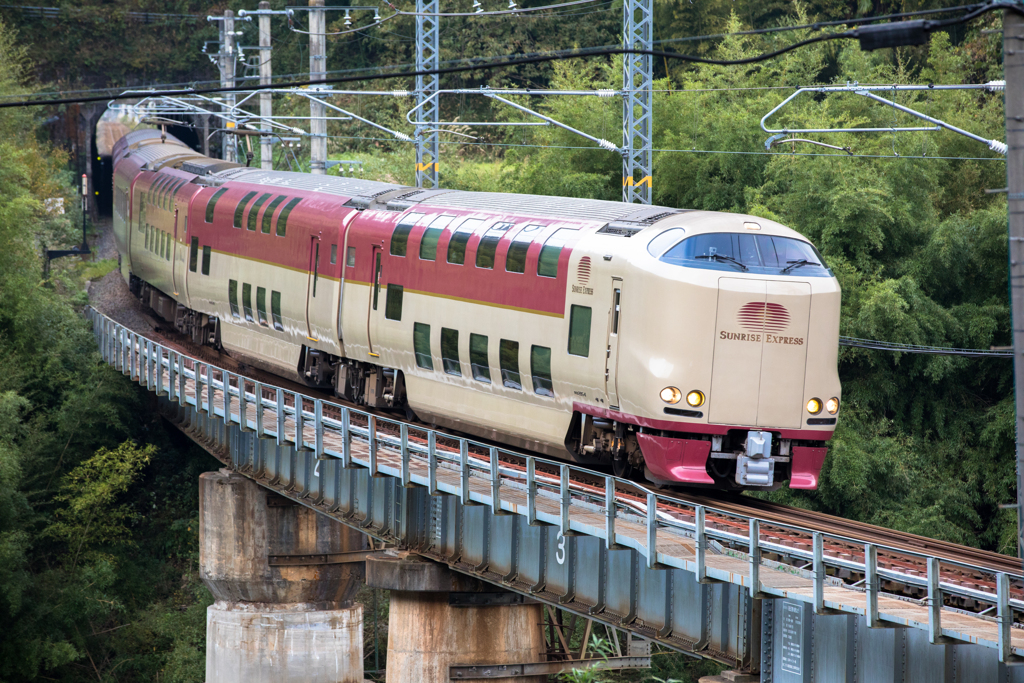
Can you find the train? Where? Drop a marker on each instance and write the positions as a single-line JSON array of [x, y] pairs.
[[686, 348]]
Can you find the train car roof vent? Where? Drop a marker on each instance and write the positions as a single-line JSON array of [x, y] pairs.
[[409, 199], [377, 200], [633, 223]]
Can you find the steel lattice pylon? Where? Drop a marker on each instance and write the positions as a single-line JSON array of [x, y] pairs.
[[638, 34], [426, 86]]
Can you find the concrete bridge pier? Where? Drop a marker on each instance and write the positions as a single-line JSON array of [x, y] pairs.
[[284, 612], [438, 618]]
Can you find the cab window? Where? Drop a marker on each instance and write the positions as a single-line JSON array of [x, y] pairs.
[[745, 252]]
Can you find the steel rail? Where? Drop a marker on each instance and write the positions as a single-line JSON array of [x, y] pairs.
[[213, 394]]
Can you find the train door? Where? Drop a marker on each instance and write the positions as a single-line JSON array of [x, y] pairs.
[[611, 363], [312, 279], [174, 255], [374, 299]]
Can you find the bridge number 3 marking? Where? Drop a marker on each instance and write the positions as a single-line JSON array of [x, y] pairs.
[[560, 555]]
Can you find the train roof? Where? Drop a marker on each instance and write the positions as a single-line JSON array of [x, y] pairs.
[[336, 185]]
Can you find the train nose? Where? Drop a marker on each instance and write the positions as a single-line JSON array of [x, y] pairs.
[[760, 356]]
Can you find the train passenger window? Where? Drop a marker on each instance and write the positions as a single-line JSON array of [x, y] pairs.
[[515, 260], [268, 215], [508, 360], [206, 259], [478, 358], [193, 258], [254, 211], [488, 245], [393, 304], [458, 241], [233, 298], [540, 368], [428, 243], [450, 351], [350, 257], [261, 305], [247, 301], [421, 346], [146, 240], [174, 193], [334, 253], [282, 220], [167, 246], [240, 208], [579, 330], [316, 266], [275, 310], [213, 203], [547, 264], [400, 237]]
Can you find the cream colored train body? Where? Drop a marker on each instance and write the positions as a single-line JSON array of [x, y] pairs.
[[680, 344]]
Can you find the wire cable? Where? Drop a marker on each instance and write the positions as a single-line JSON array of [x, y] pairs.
[[875, 345]]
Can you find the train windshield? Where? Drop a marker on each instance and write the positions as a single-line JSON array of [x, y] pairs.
[[749, 253]]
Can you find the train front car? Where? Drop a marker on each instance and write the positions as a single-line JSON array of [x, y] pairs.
[[722, 355]]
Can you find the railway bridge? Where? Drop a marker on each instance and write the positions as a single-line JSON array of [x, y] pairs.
[[475, 542]]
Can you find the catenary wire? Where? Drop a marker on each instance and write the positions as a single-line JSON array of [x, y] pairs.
[[875, 345]]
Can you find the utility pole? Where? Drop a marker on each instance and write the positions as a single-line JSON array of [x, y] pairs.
[[1013, 70], [427, 58], [227, 77], [317, 72], [266, 104], [637, 81]]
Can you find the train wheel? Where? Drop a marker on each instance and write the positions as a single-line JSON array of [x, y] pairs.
[[621, 467]]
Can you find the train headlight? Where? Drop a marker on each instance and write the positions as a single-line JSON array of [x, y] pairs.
[[832, 405], [814, 406], [695, 398], [671, 395]]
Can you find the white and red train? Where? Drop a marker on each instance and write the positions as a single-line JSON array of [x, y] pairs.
[[699, 348]]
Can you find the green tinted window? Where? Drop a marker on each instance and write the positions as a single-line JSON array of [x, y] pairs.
[[233, 298], [193, 259], [488, 245], [282, 220], [254, 212], [206, 260], [275, 310], [400, 237], [261, 305], [240, 209], [508, 358], [450, 351], [166, 244], [540, 368], [421, 345], [547, 264], [393, 304], [579, 331], [268, 215], [515, 260], [478, 358], [247, 301], [146, 241], [457, 244], [428, 243], [213, 202]]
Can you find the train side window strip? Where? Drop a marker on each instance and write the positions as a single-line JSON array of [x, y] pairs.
[[376, 279], [393, 302], [515, 260], [212, 203], [400, 236], [316, 266], [579, 330], [488, 246], [275, 310], [547, 264], [540, 369], [268, 215], [421, 346], [261, 305], [428, 243], [282, 220], [254, 211], [459, 240], [478, 362], [193, 259], [508, 361], [240, 209], [233, 298], [247, 301], [450, 351], [207, 252]]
